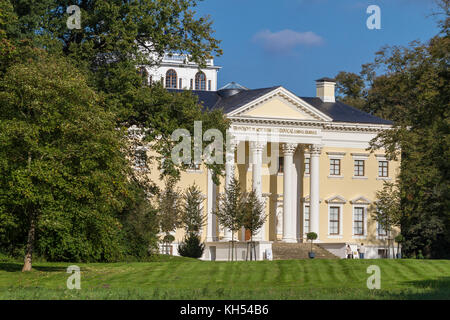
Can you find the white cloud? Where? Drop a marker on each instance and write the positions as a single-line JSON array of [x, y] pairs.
[[285, 41]]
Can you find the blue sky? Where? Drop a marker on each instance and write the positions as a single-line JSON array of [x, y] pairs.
[[294, 42]]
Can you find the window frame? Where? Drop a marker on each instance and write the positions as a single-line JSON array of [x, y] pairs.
[[307, 166], [357, 168], [333, 167], [304, 219], [171, 79], [338, 221], [382, 169], [200, 84], [362, 221]]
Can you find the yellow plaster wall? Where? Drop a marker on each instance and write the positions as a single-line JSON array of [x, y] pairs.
[[277, 108], [347, 187]]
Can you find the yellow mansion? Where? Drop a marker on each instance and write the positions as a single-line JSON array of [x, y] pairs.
[[324, 180]]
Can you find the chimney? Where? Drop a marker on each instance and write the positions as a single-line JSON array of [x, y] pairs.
[[325, 89]]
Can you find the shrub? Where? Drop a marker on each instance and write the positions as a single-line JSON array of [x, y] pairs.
[[191, 246]]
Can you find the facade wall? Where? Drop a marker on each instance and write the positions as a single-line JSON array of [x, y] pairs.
[[186, 73], [346, 186]]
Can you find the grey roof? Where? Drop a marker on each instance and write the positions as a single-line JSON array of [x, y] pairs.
[[341, 112], [338, 111]]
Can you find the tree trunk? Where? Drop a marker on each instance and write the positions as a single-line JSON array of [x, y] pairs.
[[232, 246], [30, 245]]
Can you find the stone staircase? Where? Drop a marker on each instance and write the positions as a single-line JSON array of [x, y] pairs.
[[290, 251]]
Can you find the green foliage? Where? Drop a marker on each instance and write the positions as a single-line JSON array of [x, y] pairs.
[[399, 238], [311, 236], [231, 206], [63, 163], [169, 208], [191, 246], [168, 238], [60, 163], [140, 226], [253, 217], [387, 211], [192, 217], [410, 86]]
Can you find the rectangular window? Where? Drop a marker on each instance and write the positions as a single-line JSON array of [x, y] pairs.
[[306, 220], [383, 169], [180, 83], [334, 220], [307, 163], [358, 221], [280, 164], [381, 231], [359, 168], [209, 85], [335, 167], [140, 159]]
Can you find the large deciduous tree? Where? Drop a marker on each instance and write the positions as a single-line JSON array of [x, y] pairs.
[[62, 173], [410, 85]]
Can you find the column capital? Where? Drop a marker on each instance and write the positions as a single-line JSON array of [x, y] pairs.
[[231, 145], [257, 145], [289, 148], [229, 152], [315, 149]]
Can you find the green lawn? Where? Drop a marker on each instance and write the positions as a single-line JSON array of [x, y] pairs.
[[180, 278]]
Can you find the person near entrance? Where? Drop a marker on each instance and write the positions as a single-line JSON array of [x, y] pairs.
[[362, 251]]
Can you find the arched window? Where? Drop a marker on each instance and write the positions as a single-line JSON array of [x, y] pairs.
[[171, 79], [142, 71], [200, 81]]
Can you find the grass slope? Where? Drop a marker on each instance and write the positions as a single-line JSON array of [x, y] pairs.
[[180, 278]]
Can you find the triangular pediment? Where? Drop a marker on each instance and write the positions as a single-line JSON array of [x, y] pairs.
[[360, 200], [336, 199], [277, 107], [280, 104]]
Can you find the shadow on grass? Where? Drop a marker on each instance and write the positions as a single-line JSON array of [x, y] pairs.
[[14, 267], [428, 289]]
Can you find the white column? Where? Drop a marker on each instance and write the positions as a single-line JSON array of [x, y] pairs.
[[315, 151], [289, 215], [211, 234], [298, 186], [229, 175], [256, 150]]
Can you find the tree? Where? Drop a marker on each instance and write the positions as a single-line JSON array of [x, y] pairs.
[[253, 217], [350, 89], [169, 210], [115, 39], [192, 217], [231, 209], [387, 210], [62, 173], [193, 221], [191, 246], [409, 85], [311, 236]]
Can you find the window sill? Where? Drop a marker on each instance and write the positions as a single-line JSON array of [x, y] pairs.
[[359, 237], [334, 237], [384, 178], [359, 177], [194, 171], [336, 177]]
